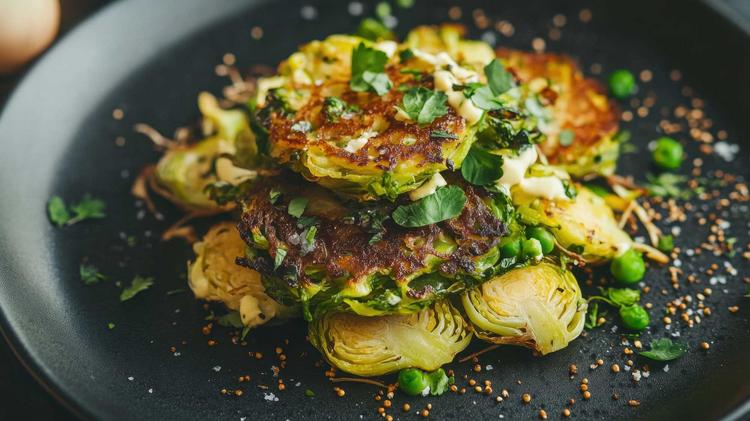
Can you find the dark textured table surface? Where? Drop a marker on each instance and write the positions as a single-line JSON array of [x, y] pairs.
[[21, 397]]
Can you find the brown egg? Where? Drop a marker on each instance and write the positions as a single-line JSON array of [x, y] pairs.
[[27, 27]]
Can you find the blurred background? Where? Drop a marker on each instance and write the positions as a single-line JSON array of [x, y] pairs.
[[27, 28]]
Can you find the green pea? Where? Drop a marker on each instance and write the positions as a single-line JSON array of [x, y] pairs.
[[531, 249], [666, 243], [412, 381], [405, 4], [634, 317], [621, 83], [668, 153], [382, 10], [628, 267], [546, 239], [511, 248]]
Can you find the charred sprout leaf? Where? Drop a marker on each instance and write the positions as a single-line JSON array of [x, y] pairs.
[[57, 211], [446, 203], [423, 105], [373, 30], [297, 206], [481, 167], [499, 80], [90, 274], [368, 67], [231, 319], [139, 284], [279, 258], [664, 350]]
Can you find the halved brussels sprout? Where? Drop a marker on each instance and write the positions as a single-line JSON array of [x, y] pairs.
[[214, 276], [539, 307], [584, 225], [184, 171], [371, 346]]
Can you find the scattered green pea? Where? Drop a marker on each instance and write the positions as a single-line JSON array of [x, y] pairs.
[[532, 249], [668, 153], [382, 10], [628, 267], [621, 83], [405, 4], [412, 381], [634, 317], [666, 243], [511, 248], [546, 239]]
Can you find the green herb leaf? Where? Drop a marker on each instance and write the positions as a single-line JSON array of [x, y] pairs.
[[309, 239], [666, 243], [446, 203], [442, 134], [278, 258], [373, 30], [90, 274], [483, 98], [368, 70], [405, 55], [498, 79], [334, 108], [481, 167], [566, 137], [273, 196], [297, 206], [622, 297], [423, 105], [309, 393], [664, 350], [667, 185], [87, 208], [57, 211], [438, 381], [231, 319], [139, 284], [592, 316]]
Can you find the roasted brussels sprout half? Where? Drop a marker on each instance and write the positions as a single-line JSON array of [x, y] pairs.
[[371, 346], [229, 155], [214, 276], [539, 307], [584, 225]]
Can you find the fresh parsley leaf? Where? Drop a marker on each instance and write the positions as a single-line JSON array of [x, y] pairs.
[[373, 30], [498, 79], [231, 319], [405, 55], [566, 137], [279, 258], [273, 196], [446, 203], [481, 167], [334, 108], [442, 134], [137, 285], [368, 70], [664, 350], [297, 206], [87, 208], [438, 381], [57, 211], [309, 239], [483, 98], [423, 105], [90, 274]]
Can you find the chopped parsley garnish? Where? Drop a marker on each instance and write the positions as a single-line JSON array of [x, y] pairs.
[[308, 244], [139, 284], [567, 137], [498, 79], [334, 108], [368, 70], [664, 350], [423, 105], [297, 206], [273, 196], [481, 167], [373, 30], [405, 55], [110, 325], [446, 203], [667, 185], [90, 274], [278, 258], [483, 98], [87, 208]]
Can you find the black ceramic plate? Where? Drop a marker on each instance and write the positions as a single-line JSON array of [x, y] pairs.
[[150, 59]]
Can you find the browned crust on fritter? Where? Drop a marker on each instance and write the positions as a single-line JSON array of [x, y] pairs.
[[383, 151], [343, 248], [581, 107]]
